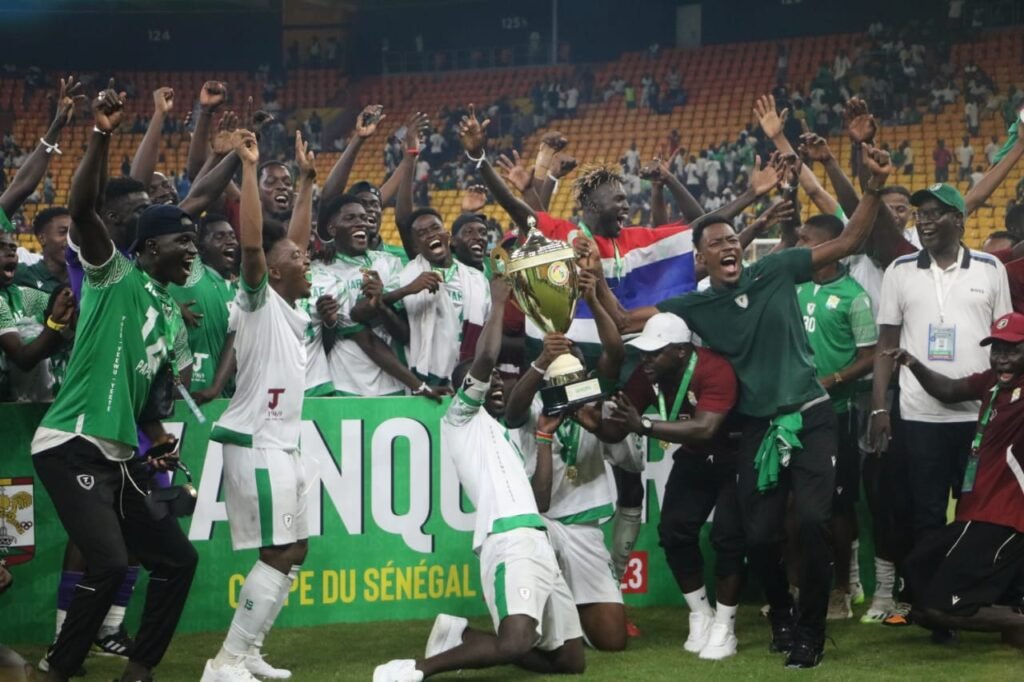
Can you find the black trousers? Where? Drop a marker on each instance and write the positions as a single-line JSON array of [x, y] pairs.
[[106, 517], [936, 455], [810, 477], [697, 484]]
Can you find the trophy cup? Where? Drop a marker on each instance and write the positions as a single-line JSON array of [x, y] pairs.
[[543, 276]]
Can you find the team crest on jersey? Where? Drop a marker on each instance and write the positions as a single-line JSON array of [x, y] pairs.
[[524, 592], [86, 481], [17, 520], [811, 307], [287, 518], [832, 303], [742, 301]]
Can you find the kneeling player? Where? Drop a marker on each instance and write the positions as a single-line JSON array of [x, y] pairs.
[[530, 604], [265, 475], [700, 387], [574, 488], [974, 565]]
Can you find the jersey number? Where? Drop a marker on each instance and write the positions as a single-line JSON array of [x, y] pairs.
[[810, 324], [156, 351]]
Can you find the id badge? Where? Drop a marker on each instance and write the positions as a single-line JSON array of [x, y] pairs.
[[941, 342], [970, 473]]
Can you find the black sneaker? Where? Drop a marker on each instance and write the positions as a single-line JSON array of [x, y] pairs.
[[944, 637], [116, 644], [782, 630], [44, 664], [806, 653]]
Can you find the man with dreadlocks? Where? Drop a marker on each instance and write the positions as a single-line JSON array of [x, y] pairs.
[[642, 265]]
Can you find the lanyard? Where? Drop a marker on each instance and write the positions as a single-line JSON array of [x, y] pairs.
[[569, 437], [971, 472], [680, 392], [619, 264], [363, 262], [447, 273], [170, 331], [941, 292]]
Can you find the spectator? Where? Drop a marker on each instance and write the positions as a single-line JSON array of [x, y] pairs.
[[976, 176], [908, 157], [964, 158], [992, 149], [629, 94], [631, 159], [971, 116], [942, 158]]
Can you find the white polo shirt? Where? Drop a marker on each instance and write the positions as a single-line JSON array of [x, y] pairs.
[[943, 315]]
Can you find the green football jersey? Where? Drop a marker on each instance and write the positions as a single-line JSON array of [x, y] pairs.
[[213, 296], [22, 312], [838, 320], [129, 327], [756, 325]]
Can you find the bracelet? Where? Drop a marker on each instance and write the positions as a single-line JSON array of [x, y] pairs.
[[51, 148], [537, 369], [544, 438], [55, 326], [479, 162], [837, 377], [875, 413], [422, 389], [413, 150], [96, 129]]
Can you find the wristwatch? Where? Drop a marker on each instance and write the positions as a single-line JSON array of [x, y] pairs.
[[647, 425]]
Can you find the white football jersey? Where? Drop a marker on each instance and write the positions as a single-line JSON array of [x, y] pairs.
[[270, 352], [489, 464]]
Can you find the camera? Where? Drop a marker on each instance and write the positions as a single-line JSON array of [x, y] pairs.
[[176, 501]]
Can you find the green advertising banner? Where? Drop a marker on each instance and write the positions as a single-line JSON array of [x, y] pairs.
[[390, 531]]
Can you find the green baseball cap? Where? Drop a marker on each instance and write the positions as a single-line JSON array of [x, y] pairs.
[[947, 194]]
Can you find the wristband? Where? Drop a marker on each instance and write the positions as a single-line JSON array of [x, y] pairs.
[[537, 369], [55, 326], [479, 162], [413, 150], [837, 377], [875, 413], [96, 129], [50, 148], [542, 437], [422, 389]]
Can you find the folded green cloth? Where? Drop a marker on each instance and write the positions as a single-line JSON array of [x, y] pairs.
[[779, 441], [1010, 141]]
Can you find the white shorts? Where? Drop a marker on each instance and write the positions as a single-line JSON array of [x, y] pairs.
[[520, 576], [627, 454], [585, 562], [265, 495]]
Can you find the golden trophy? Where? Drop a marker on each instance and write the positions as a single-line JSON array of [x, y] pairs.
[[544, 279]]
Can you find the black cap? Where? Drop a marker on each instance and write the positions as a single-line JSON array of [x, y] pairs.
[[161, 219], [467, 218], [364, 186]]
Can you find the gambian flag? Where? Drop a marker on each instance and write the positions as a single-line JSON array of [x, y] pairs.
[[654, 264]]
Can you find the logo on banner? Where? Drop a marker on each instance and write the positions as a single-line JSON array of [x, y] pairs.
[[17, 521]]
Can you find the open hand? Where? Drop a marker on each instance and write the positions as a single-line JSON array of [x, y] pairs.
[[771, 121], [304, 158], [779, 212], [222, 142], [473, 133], [474, 198], [515, 171], [67, 98], [417, 128], [764, 180], [625, 413]]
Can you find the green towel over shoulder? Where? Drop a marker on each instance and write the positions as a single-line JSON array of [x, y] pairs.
[[779, 441]]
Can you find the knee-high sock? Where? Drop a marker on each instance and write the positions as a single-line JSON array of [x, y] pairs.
[[65, 592], [256, 603], [115, 616], [281, 598], [624, 534]]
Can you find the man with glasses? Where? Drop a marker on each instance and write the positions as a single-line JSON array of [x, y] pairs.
[[939, 304]]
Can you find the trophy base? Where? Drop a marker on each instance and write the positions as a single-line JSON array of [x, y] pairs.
[[564, 397]]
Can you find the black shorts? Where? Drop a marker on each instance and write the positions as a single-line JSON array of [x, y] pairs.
[[847, 488], [966, 565]]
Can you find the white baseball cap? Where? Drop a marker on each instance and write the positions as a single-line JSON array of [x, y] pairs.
[[661, 330]]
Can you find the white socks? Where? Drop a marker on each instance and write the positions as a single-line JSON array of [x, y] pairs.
[[624, 534], [885, 578], [61, 615], [854, 562], [726, 615], [698, 602], [112, 621], [257, 601], [279, 604]]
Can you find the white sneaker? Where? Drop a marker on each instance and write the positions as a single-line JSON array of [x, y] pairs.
[[856, 593], [401, 670], [700, 630], [446, 634], [226, 673], [839, 605], [721, 643], [880, 608], [256, 664]]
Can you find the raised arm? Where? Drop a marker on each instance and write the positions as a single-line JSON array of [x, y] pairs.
[[762, 181], [863, 219], [561, 165], [520, 398], [979, 194], [25, 356], [660, 176], [473, 136], [87, 229], [337, 179], [301, 224], [521, 178], [210, 187], [32, 171], [144, 162], [404, 176], [211, 97], [254, 262], [488, 346]]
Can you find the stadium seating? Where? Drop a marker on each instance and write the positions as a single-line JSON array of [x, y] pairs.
[[721, 80]]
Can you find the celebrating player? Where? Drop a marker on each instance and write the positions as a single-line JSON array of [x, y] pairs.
[[530, 604], [265, 475]]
